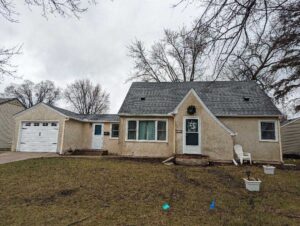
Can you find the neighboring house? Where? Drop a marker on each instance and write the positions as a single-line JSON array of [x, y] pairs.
[[8, 108], [290, 137], [163, 119]]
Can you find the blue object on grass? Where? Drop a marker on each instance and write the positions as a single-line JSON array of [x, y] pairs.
[[166, 206], [212, 205]]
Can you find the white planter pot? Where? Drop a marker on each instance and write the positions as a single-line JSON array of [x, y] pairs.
[[252, 185], [269, 169]]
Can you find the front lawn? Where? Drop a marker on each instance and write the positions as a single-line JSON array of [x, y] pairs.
[[73, 191]]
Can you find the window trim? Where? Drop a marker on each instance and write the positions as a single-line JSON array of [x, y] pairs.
[[137, 130], [276, 130], [110, 136]]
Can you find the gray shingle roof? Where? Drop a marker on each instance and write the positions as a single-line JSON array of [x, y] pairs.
[[223, 98], [289, 121], [81, 117]]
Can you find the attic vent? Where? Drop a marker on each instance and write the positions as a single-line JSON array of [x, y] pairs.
[[246, 98], [143, 98]]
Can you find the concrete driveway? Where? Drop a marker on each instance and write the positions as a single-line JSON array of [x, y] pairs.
[[8, 156]]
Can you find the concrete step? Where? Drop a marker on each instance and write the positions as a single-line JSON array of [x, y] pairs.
[[90, 152]]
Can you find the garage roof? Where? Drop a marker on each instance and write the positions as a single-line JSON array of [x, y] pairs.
[[82, 117]]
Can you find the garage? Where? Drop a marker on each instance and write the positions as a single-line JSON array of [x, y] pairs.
[[38, 137]]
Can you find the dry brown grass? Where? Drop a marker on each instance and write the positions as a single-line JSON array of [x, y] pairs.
[[72, 191]]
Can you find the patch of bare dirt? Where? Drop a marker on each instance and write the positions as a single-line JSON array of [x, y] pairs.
[[51, 198]]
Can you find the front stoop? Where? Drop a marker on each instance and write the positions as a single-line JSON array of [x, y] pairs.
[[90, 152], [192, 160]]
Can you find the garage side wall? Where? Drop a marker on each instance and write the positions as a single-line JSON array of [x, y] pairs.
[[77, 135], [40, 113]]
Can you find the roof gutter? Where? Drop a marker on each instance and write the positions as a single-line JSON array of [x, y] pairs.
[[91, 121], [248, 116], [143, 115]]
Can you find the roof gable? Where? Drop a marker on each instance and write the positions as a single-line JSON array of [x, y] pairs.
[[192, 92], [222, 98], [10, 100]]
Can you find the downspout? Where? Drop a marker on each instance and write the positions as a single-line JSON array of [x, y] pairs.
[[279, 138], [174, 135]]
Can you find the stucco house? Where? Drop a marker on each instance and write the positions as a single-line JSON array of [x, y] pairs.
[[290, 136], [161, 120], [8, 108]]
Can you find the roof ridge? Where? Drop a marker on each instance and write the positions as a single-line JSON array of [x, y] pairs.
[[225, 81]]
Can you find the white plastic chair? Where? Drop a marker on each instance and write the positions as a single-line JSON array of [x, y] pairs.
[[238, 149]]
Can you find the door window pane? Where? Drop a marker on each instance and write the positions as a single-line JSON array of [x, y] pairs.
[[146, 130], [192, 139], [98, 129], [191, 125]]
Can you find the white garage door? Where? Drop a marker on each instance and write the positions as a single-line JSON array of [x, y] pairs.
[[38, 137]]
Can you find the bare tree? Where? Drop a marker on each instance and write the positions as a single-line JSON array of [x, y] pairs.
[[31, 94], [175, 58], [59, 7], [234, 24], [87, 98], [274, 60], [6, 67]]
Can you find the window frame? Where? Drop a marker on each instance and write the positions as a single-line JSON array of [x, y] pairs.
[[137, 130], [275, 128], [111, 125]]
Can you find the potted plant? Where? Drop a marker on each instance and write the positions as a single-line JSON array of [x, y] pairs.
[[252, 184], [269, 169]]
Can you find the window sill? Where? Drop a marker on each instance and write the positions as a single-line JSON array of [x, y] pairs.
[[147, 141], [114, 138], [271, 141]]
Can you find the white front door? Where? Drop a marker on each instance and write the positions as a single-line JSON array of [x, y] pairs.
[[97, 140], [38, 137], [191, 135]]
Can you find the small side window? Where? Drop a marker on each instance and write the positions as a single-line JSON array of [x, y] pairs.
[[45, 124], [267, 130], [36, 124], [115, 130], [131, 130], [53, 124], [27, 124]]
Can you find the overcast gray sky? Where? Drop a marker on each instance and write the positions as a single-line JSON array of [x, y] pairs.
[[94, 47]]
